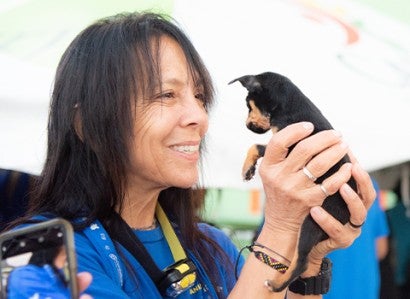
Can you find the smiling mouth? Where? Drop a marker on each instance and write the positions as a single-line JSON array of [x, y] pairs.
[[186, 149]]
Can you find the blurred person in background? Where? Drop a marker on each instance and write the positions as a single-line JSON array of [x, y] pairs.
[[356, 272], [15, 187], [399, 222]]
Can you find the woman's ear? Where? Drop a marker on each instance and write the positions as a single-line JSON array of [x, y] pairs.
[[78, 124]]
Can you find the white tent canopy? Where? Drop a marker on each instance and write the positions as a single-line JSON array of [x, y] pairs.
[[353, 62]]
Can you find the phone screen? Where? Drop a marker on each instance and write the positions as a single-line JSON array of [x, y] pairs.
[[38, 261]]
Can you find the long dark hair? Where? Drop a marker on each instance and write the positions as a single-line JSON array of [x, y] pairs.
[[102, 70]]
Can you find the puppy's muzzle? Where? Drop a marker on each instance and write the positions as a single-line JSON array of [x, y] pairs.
[[255, 128]]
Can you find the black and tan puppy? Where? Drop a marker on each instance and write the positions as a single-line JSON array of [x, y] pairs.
[[275, 102]]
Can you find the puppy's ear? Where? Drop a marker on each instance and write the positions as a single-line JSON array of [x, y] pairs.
[[250, 82]]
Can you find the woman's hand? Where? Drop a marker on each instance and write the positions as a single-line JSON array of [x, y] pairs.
[[342, 236], [289, 193], [84, 279]]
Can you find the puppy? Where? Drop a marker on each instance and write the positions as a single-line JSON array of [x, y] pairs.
[[275, 102]]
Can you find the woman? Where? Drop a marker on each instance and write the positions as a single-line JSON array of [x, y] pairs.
[[128, 117]]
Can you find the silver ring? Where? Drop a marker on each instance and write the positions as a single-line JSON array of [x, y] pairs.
[[309, 174], [324, 190]]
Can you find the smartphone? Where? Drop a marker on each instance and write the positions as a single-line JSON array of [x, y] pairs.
[[38, 261]]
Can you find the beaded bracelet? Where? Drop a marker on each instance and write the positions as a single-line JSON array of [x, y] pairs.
[[264, 258], [270, 261], [271, 250]]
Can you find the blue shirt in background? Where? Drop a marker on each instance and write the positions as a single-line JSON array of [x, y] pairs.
[[356, 273]]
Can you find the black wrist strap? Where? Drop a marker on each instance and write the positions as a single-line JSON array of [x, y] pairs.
[[315, 285]]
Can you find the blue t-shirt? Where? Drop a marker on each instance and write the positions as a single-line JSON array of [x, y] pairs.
[[157, 245], [97, 254], [40, 282], [356, 273]]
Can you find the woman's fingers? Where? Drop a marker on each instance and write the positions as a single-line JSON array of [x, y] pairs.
[[318, 192], [278, 147], [364, 182], [365, 187], [343, 235], [340, 236], [318, 152], [356, 207], [84, 280], [323, 161], [282, 172]]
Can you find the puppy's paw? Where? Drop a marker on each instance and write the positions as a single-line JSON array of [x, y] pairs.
[[248, 172], [255, 152]]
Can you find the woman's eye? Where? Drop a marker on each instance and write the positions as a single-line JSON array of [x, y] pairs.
[[200, 96], [166, 95]]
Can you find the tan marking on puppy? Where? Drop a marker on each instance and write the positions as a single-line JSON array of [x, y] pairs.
[[252, 157], [257, 118]]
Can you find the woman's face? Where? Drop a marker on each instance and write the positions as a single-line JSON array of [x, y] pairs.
[[168, 130]]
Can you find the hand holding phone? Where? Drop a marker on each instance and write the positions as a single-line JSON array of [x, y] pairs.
[[38, 261]]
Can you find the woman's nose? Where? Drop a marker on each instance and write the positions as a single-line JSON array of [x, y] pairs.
[[194, 112]]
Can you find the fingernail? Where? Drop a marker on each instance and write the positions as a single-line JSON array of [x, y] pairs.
[[317, 211], [308, 125], [346, 188], [344, 144]]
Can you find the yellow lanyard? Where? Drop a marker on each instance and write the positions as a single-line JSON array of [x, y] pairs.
[[177, 251]]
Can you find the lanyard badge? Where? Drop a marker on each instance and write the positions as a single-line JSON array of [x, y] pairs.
[[178, 278]]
